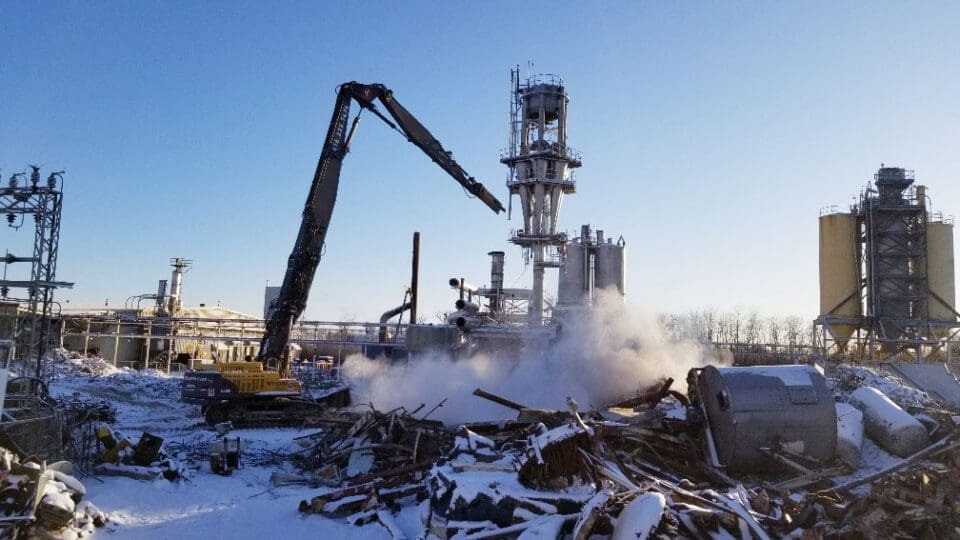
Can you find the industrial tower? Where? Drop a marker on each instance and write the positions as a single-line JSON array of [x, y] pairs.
[[887, 273], [541, 173]]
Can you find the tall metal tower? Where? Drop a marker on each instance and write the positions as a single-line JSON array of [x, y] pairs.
[[43, 202], [895, 256], [541, 173]]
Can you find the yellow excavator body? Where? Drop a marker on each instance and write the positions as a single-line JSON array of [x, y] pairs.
[[251, 378]]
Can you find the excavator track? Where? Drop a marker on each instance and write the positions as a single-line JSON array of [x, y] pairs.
[[273, 412]]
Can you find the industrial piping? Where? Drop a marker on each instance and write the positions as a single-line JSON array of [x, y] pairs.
[[387, 315]]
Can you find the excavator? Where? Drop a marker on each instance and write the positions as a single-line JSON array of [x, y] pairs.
[[247, 393]]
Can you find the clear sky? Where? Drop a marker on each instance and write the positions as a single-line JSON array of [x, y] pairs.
[[712, 133]]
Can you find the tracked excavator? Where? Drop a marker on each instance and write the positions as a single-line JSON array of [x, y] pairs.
[[251, 393]]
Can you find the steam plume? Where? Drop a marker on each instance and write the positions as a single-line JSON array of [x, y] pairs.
[[608, 351]]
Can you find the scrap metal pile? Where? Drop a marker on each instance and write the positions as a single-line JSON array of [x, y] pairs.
[[39, 500], [643, 467]]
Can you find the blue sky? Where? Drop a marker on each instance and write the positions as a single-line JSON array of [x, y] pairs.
[[712, 133]]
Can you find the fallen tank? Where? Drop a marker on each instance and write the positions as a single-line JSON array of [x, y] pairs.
[[749, 409]]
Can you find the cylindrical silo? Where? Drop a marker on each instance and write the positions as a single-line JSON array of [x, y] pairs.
[[839, 278], [609, 267], [572, 283], [940, 271]]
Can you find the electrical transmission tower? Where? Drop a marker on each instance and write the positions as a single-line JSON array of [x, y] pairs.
[[25, 195]]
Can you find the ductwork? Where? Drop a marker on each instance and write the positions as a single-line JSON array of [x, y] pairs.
[[469, 307], [387, 315], [463, 323], [460, 284]]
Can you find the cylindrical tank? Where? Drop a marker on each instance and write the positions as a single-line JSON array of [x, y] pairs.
[[838, 271], [572, 282], [546, 95], [891, 427], [940, 271], [609, 263], [849, 435], [749, 408]]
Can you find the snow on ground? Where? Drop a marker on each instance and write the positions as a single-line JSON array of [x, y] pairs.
[[204, 505], [246, 505], [211, 507], [873, 459]]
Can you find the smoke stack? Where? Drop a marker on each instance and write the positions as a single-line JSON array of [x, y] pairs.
[[414, 278], [176, 282], [496, 281]]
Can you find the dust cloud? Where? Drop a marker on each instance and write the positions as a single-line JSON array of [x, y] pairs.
[[611, 350]]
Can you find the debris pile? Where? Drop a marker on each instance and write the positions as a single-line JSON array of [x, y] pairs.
[[48, 498], [143, 460], [62, 363], [360, 446], [639, 469]]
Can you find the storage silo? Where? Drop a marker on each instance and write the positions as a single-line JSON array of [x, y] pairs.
[[572, 285], [839, 278], [940, 271], [609, 266]]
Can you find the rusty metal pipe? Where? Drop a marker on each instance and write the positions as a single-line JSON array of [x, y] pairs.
[[499, 400], [414, 278]]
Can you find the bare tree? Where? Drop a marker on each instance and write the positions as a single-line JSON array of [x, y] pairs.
[[774, 331]]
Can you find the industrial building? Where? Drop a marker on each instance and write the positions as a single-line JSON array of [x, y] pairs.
[[887, 285]]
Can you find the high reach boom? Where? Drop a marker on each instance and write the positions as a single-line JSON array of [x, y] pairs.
[[318, 209]]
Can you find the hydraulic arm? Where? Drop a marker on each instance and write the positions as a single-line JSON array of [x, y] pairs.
[[303, 261]]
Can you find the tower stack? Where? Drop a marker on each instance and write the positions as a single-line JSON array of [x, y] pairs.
[[887, 273], [541, 173]]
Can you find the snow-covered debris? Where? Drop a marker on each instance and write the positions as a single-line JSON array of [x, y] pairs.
[[639, 518], [594, 476], [851, 377], [849, 434], [62, 363], [894, 429], [43, 503], [468, 441]]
